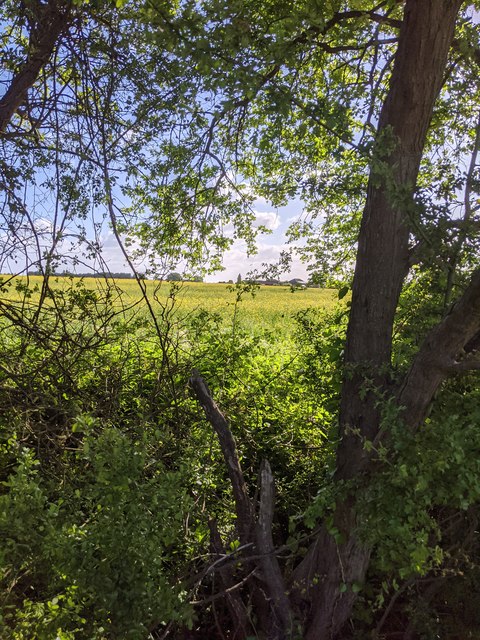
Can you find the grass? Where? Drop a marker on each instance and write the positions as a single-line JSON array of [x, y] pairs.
[[269, 307]]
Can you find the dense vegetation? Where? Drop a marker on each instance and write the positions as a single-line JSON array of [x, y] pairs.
[[326, 483], [112, 474]]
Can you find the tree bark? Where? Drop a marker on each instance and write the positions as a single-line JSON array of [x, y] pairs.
[[383, 254], [50, 22], [332, 570], [329, 570]]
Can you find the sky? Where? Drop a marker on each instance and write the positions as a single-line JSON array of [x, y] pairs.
[[277, 221], [236, 260], [30, 240]]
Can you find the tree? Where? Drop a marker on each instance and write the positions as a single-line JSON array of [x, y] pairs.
[[352, 109], [286, 103], [382, 264]]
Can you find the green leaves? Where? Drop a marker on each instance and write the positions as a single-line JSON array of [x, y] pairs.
[[101, 544], [343, 292]]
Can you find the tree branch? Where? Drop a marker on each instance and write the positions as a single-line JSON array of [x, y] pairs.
[[52, 20], [234, 601], [243, 505], [438, 355], [271, 573]]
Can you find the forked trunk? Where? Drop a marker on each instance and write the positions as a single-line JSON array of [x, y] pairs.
[[335, 567]]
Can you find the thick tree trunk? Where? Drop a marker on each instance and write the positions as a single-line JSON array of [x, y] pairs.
[[382, 257], [333, 565], [329, 574]]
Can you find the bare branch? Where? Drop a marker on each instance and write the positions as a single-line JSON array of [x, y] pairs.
[[230, 592], [235, 603], [271, 573], [243, 505]]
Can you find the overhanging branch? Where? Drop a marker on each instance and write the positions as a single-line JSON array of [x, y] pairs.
[[52, 21]]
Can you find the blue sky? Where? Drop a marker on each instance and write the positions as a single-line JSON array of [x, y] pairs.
[[277, 221]]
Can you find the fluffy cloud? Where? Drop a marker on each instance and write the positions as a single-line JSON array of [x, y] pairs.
[[236, 261], [268, 219]]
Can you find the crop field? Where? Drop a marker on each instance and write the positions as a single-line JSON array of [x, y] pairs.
[[265, 307]]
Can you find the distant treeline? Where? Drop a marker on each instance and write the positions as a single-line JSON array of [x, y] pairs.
[[171, 277], [91, 274]]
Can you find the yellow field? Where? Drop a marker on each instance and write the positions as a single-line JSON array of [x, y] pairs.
[[269, 306]]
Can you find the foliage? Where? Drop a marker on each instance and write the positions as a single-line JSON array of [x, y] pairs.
[[90, 469], [110, 475], [91, 508], [95, 566], [174, 277], [165, 121]]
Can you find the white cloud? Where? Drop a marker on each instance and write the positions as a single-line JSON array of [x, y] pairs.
[[296, 218], [267, 219], [112, 254], [42, 225], [237, 260], [261, 202]]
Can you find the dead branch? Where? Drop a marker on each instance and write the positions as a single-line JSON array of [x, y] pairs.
[[280, 607], [234, 600], [243, 505], [269, 595]]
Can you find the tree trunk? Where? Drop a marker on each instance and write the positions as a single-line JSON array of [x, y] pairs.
[[333, 564], [329, 574], [383, 253]]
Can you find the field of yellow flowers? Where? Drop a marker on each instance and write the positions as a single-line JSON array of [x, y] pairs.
[[264, 306]]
